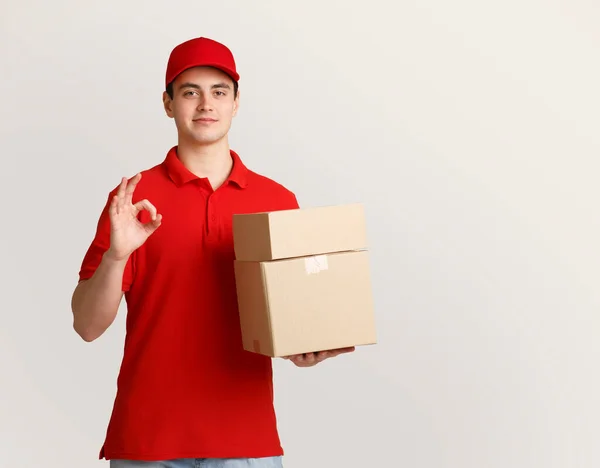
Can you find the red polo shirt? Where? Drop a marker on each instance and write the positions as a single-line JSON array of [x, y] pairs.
[[186, 387]]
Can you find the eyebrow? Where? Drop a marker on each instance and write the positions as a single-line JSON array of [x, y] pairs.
[[195, 86]]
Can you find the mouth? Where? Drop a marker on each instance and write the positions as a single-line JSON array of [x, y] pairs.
[[205, 120]]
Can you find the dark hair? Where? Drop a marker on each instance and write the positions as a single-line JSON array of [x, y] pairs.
[[169, 89]]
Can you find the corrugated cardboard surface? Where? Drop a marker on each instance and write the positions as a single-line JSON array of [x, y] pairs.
[[306, 304], [296, 233]]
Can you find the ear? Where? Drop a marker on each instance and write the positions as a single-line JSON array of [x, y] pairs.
[[236, 103], [168, 104]]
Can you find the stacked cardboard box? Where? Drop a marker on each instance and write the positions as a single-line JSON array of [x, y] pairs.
[[303, 280]]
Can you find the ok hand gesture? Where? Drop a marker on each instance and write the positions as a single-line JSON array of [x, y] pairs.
[[127, 233]]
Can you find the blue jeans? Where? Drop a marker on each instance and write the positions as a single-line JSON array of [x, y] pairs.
[[269, 462]]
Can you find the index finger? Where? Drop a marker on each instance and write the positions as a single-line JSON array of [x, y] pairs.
[[337, 352], [131, 187]]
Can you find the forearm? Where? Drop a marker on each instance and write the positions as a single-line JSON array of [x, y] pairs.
[[96, 301]]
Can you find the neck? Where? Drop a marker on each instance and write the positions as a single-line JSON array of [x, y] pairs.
[[207, 161]]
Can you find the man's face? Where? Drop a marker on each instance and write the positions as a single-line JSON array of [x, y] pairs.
[[203, 105]]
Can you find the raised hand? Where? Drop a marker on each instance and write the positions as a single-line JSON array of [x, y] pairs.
[[127, 233]]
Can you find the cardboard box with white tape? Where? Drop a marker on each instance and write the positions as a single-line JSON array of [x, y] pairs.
[[303, 280]]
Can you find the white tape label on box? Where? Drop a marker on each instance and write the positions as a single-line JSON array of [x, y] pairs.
[[316, 264]]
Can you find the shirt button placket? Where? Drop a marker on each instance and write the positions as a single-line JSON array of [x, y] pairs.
[[211, 216]]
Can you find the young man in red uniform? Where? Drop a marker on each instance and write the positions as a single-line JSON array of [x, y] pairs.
[[188, 394]]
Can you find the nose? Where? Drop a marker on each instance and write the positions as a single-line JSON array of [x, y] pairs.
[[204, 102]]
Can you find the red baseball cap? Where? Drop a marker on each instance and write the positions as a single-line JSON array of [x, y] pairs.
[[198, 52]]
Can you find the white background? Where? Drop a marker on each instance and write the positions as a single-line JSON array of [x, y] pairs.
[[470, 130]]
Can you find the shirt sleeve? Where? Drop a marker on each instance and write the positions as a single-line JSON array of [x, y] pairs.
[[293, 201], [99, 246]]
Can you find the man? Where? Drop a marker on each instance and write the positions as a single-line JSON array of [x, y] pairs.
[[188, 394]]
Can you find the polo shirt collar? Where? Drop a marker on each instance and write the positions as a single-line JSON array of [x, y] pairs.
[[181, 175]]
